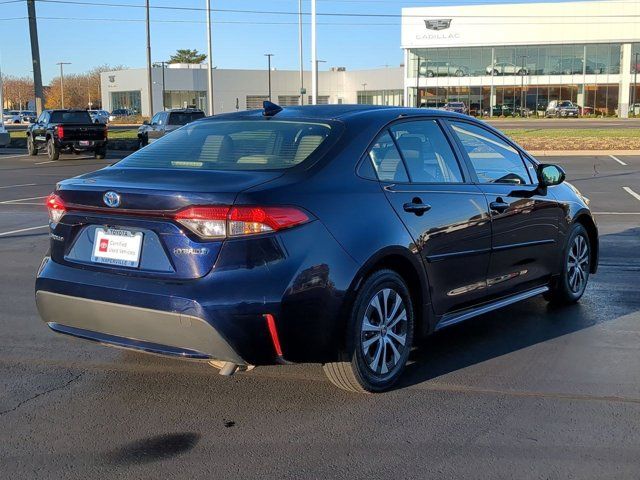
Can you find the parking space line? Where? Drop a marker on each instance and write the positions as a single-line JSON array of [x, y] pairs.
[[604, 213], [13, 156], [42, 163], [618, 160], [632, 193], [4, 234], [20, 185], [21, 199]]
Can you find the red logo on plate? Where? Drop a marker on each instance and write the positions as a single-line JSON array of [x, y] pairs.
[[104, 245]]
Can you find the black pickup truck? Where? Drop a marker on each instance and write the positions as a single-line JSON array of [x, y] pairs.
[[61, 131]]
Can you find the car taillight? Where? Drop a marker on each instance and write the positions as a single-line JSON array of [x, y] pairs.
[[106, 132], [55, 207], [211, 222], [60, 131]]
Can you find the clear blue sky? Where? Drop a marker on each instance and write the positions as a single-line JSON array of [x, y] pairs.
[[89, 36]]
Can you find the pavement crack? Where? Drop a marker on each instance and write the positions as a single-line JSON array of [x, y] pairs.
[[40, 394]]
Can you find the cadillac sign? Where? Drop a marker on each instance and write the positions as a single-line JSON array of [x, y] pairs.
[[438, 24]]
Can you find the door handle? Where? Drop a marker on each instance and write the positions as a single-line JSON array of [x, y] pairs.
[[499, 205], [416, 207]]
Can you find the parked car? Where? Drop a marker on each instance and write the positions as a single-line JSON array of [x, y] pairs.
[[62, 131], [269, 237], [165, 122], [99, 116], [562, 108], [120, 113], [458, 107], [439, 69], [500, 110], [11, 116], [506, 68], [577, 66], [27, 116]]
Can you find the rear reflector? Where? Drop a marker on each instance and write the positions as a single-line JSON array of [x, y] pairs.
[[211, 222], [273, 331], [55, 207]]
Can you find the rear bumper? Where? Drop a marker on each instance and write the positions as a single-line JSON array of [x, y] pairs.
[[154, 331], [75, 144]]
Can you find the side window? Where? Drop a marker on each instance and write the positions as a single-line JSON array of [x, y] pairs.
[[386, 160], [494, 160], [154, 120], [41, 118], [427, 152]]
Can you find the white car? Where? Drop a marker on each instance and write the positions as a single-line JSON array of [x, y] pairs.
[[11, 116], [506, 68], [99, 116]]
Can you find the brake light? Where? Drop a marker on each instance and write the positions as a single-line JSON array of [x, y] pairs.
[[210, 222], [60, 131], [55, 207]]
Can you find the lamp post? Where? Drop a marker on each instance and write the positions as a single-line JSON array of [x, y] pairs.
[[314, 56], [269, 55], [302, 90], [210, 53], [315, 102], [149, 80], [162, 64], [62, 82], [635, 84], [418, 82], [522, 70]]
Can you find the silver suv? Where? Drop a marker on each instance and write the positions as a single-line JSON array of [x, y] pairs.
[[506, 68], [562, 108]]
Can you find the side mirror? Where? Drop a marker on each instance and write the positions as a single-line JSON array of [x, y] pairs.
[[146, 122], [550, 175]]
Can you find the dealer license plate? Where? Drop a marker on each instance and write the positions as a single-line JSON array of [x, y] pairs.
[[117, 247]]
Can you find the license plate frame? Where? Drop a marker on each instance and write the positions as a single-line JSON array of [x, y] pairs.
[[117, 247], [85, 143]]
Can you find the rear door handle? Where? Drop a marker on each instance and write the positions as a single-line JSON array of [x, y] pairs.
[[417, 208], [499, 206]]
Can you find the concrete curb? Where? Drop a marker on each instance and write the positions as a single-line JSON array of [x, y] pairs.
[[581, 153]]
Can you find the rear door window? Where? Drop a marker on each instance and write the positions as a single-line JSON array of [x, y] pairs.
[[387, 161], [426, 152], [493, 159]]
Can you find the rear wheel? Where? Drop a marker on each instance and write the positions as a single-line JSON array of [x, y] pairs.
[[100, 152], [575, 272], [53, 152], [31, 147], [379, 336]]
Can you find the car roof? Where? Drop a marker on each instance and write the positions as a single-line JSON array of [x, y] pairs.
[[344, 112], [184, 110]]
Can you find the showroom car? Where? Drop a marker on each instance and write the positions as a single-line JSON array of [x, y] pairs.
[[506, 68], [334, 234]]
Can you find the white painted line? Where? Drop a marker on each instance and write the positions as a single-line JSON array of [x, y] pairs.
[[42, 163], [632, 193], [12, 156], [21, 199], [4, 234], [618, 160], [616, 213], [20, 185]]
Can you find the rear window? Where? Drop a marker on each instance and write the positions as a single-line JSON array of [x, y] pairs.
[[70, 117], [232, 145], [182, 118]]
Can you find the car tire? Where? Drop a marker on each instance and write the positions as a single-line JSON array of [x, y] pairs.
[[53, 152], [143, 141], [576, 262], [495, 72], [459, 73], [379, 336], [430, 73], [522, 71], [31, 147], [100, 153]]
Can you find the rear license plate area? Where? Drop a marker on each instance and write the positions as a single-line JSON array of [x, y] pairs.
[[119, 247]]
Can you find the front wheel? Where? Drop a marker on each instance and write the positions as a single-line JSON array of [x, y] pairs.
[[31, 147], [576, 266], [379, 336]]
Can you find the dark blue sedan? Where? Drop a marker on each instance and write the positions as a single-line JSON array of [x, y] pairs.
[[337, 235]]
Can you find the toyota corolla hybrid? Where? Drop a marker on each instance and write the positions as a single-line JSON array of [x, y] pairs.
[[337, 235]]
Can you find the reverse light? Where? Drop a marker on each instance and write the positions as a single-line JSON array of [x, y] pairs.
[[211, 222], [55, 207], [60, 132]]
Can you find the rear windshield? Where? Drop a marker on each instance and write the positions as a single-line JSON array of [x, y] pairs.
[[232, 145], [182, 118], [70, 117]]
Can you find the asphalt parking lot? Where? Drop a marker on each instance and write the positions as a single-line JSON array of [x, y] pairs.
[[527, 392]]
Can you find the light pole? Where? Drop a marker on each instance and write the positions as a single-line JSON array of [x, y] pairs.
[[269, 55], [418, 82], [635, 84], [62, 82], [314, 56], [302, 90], [162, 64], [210, 52], [522, 73], [149, 81]]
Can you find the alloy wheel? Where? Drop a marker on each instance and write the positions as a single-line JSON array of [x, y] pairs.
[[383, 337], [578, 264]]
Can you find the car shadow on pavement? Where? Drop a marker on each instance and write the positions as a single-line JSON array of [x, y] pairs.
[[151, 449]]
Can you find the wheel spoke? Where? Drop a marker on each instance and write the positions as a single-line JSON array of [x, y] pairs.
[[396, 353], [394, 310], [401, 339], [367, 343], [376, 359], [384, 368], [385, 304], [367, 326], [375, 303], [402, 316]]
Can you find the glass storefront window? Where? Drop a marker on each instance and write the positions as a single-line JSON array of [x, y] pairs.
[[381, 97], [130, 100], [185, 99]]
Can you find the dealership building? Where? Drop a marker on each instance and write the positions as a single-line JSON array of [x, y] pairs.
[[497, 59], [504, 57]]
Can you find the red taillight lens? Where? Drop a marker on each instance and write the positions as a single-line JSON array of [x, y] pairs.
[[212, 222], [55, 207], [60, 131]]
